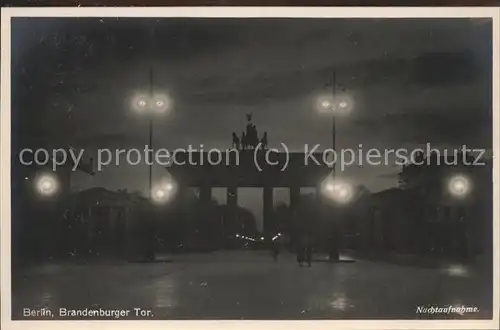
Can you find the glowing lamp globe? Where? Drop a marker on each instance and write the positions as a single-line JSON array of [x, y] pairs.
[[163, 191], [324, 103], [339, 191], [159, 195], [459, 186], [343, 193], [140, 103], [161, 103], [345, 104], [169, 186], [46, 185]]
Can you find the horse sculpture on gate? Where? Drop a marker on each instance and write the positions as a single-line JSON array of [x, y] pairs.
[[250, 137]]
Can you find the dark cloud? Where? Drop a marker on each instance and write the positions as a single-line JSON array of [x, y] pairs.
[[110, 140], [433, 69], [445, 68], [434, 127], [167, 38]]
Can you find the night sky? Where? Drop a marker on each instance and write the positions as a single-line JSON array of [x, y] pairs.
[[413, 81]]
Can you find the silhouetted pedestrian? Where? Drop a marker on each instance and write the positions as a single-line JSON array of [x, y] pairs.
[[301, 251], [333, 247], [300, 255], [308, 253], [275, 249]]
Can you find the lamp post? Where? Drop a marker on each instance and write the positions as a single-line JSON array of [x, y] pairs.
[[151, 136], [150, 104], [334, 131], [334, 105]]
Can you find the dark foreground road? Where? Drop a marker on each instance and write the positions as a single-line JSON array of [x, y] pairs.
[[250, 285]]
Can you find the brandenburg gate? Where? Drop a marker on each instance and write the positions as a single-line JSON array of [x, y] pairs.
[[249, 164]]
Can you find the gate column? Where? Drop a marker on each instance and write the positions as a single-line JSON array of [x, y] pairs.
[[268, 207], [294, 197]]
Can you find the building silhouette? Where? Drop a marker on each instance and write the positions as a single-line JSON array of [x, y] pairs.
[[36, 219], [423, 216]]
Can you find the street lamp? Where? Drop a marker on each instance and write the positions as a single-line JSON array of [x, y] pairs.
[[163, 192], [159, 195], [459, 186], [151, 104], [339, 104], [324, 103], [342, 192], [335, 105], [46, 185]]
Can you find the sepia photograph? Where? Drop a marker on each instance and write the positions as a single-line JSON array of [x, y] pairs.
[[249, 167]]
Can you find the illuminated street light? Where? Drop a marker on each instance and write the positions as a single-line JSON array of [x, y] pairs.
[[161, 103], [149, 104], [330, 187], [163, 191], [140, 103], [160, 195], [169, 186], [245, 238], [345, 104], [324, 103], [459, 186], [335, 104], [340, 104], [46, 184], [145, 104], [341, 192]]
